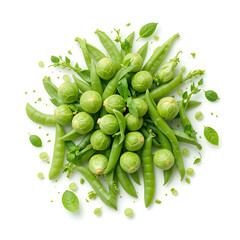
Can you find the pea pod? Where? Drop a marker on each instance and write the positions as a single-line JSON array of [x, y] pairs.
[[83, 87], [110, 47], [122, 124], [135, 177], [114, 154], [71, 135], [125, 181], [39, 117], [58, 154], [159, 55], [130, 39], [86, 156], [95, 52], [166, 130], [97, 187], [85, 141], [95, 80], [143, 51], [148, 171], [109, 177], [85, 75], [145, 133]]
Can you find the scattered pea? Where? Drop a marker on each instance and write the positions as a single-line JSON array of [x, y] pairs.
[[97, 211], [128, 24], [211, 113], [156, 37], [40, 175], [216, 115], [158, 201], [48, 162], [39, 127], [187, 179], [47, 134], [199, 115], [73, 186], [128, 212], [66, 78], [43, 156], [82, 181], [51, 200], [87, 200], [49, 141], [35, 102], [174, 192], [180, 92], [41, 64], [25, 92], [185, 152], [34, 90], [190, 171], [183, 69]]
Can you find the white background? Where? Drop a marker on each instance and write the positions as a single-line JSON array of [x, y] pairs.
[[31, 31]]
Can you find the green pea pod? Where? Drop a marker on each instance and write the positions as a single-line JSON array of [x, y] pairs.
[[86, 55], [130, 39], [71, 135], [83, 86], [85, 75], [95, 80], [85, 141], [192, 104], [39, 117], [166, 130], [148, 170], [58, 154], [110, 47], [145, 133], [122, 124], [143, 51], [97, 187], [159, 55], [95, 52], [125, 181], [135, 177], [86, 156], [109, 177]]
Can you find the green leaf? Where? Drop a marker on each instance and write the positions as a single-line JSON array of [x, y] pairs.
[[71, 146], [72, 158], [192, 86], [197, 160], [73, 107], [196, 91], [132, 107], [211, 95], [70, 201], [200, 82], [125, 45], [147, 30], [67, 60], [123, 88], [35, 141], [55, 59], [211, 135], [185, 95]]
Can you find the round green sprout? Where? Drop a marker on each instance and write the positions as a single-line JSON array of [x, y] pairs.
[[108, 124], [134, 141], [63, 114], [133, 59], [128, 212], [82, 123], [142, 106], [100, 141], [142, 81], [91, 101], [116, 102], [97, 164], [106, 68], [133, 123], [168, 108], [130, 162], [68, 92], [163, 159]]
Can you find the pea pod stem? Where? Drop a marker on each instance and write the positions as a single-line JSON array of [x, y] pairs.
[[83, 86], [143, 51], [166, 130], [95, 52], [97, 187], [95, 80], [58, 154]]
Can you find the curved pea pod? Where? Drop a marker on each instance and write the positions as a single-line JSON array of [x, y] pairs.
[[122, 124], [95, 52], [130, 39], [145, 133], [58, 154], [125, 181], [135, 177], [143, 51], [95, 80], [71, 135], [159, 55], [39, 117], [97, 187], [85, 75], [86, 156], [110, 47], [83, 86], [109, 177], [85, 141]]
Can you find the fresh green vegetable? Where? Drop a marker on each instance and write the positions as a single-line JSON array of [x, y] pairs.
[[35, 140], [106, 68], [133, 59], [168, 108], [128, 212], [114, 102], [97, 164], [190, 171], [97, 211], [163, 159], [68, 92], [63, 114], [130, 162], [91, 101], [40, 175], [211, 96], [100, 141], [133, 123], [70, 201], [142, 81], [134, 141], [82, 123], [43, 156], [185, 152], [199, 115], [211, 135], [108, 124], [73, 186], [147, 30]]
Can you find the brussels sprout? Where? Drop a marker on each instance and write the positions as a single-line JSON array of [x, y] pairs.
[[142, 81], [133, 59], [114, 102], [63, 114], [97, 164], [168, 108], [106, 68], [82, 123], [68, 92], [167, 71], [100, 141], [134, 141], [133, 123], [163, 159], [142, 106], [108, 124], [130, 162], [91, 101]]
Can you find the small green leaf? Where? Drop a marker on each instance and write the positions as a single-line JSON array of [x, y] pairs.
[[72, 158], [35, 141], [211, 135], [70, 201], [196, 91], [147, 30], [192, 86], [193, 55], [73, 106], [55, 59], [211, 96], [200, 82], [67, 60], [197, 160], [185, 95], [71, 146], [132, 107], [123, 88]]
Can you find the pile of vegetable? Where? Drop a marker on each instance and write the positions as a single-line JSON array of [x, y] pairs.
[[120, 109]]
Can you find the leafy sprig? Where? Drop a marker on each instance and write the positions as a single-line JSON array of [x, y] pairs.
[[125, 45]]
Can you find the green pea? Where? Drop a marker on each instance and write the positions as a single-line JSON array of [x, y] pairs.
[[183, 69], [174, 192], [128, 212], [35, 141], [97, 211], [73, 186], [190, 171], [82, 181], [156, 37], [41, 64], [40, 175], [185, 152], [180, 92], [43, 156], [199, 115], [66, 78]]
